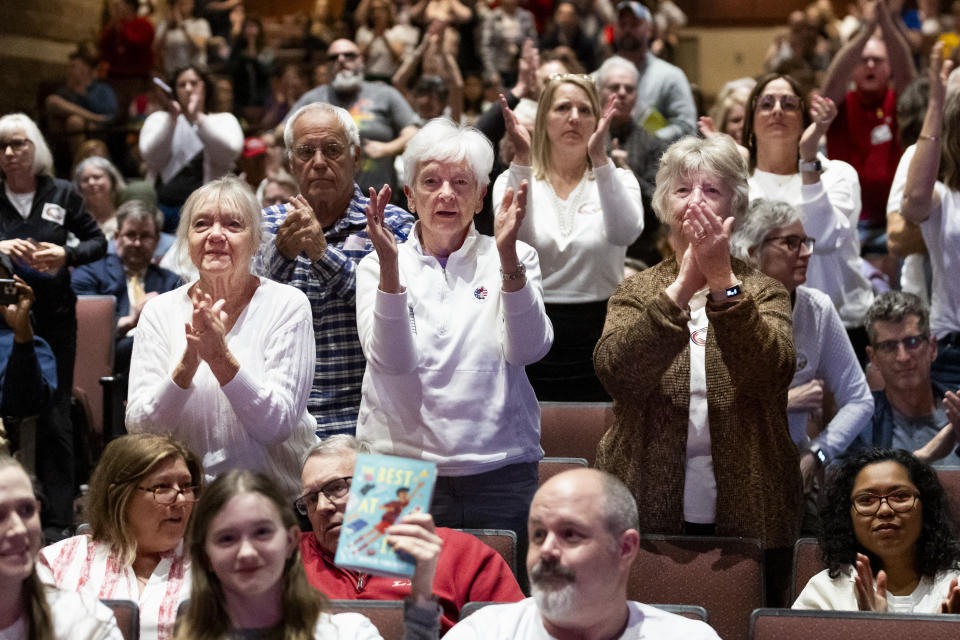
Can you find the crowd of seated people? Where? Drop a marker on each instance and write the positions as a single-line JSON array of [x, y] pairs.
[[304, 270]]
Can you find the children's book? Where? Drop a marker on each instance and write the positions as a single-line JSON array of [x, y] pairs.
[[383, 490]]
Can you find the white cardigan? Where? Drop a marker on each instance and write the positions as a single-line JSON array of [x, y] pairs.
[[168, 145], [445, 378], [256, 421]]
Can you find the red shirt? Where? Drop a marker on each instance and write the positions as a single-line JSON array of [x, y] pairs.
[[127, 48], [467, 571], [866, 136]]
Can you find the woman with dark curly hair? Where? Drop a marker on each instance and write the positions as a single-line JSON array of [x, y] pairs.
[[889, 540]]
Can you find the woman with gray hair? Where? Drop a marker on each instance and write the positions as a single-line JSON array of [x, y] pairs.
[[772, 239], [697, 353], [100, 184], [447, 322], [232, 381]]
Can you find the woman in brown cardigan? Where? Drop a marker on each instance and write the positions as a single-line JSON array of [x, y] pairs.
[[698, 356]]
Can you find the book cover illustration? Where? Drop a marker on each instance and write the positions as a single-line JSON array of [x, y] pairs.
[[383, 490]]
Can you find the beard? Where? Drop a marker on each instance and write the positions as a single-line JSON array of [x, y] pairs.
[[554, 603], [629, 43], [347, 81]]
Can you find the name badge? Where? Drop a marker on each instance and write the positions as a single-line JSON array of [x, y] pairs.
[[54, 213], [880, 134]]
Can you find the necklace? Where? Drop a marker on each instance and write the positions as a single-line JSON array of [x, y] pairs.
[[566, 210]]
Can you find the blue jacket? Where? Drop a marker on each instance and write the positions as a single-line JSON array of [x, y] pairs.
[[32, 378], [108, 277]]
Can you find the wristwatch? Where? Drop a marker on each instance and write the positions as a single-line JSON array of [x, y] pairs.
[[818, 454], [810, 166]]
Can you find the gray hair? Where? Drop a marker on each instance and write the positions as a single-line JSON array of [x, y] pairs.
[[96, 162], [619, 506], [336, 445], [342, 115], [718, 156], [42, 158], [763, 216], [281, 177], [894, 307], [139, 210], [230, 192], [614, 63], [442, 140]]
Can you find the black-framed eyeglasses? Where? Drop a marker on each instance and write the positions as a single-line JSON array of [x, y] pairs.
[[910, 343], [17, 144], [330, 151], [787, 102], [334, 491], [346, 55], [868, 504], [168, 495], [794, 242]]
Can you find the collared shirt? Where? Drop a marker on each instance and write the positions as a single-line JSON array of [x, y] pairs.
[[330, 285]]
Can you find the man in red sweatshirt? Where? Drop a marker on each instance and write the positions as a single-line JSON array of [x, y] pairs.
[[466, 571]]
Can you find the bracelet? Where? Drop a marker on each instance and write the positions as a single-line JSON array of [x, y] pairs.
[[923, 137], [516, 275]]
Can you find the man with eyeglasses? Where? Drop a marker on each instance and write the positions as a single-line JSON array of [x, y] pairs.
[[864, 133], [314, 243], [128, 275], [911, 412], [465, 571], [385, 118]]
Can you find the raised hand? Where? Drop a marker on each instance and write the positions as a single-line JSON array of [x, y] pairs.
[[938, 72], [951, 603], [17, 314], [509, 218], [709, 238], [384, 242], [518, 134], [868, 598], [707, 128], [415, 534], [597, 145], [301, 232], [822, 112]]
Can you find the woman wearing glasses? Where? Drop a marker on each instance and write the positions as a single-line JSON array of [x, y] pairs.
[[582, 214], [781, 133], [141, 495], [773, 239], [889, 540], [226, 362]]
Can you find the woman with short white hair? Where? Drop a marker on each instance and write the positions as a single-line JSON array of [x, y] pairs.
[[447, 322]]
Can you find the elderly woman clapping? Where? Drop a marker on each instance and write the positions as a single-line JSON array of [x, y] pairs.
[[226, 363], [698, 355], [447, 322]]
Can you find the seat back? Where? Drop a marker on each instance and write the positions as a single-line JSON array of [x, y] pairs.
[[95, 329], [127, 614], [722, 575], [503, 541], [550, 467], [950, 479], [806, 564], [473, 607], [386, 615], [791, 624], [574, 429], [686, 610]]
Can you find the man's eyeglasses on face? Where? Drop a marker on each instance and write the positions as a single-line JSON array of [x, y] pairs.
[[17, 144], [334, 491], [868, 504], [910, 343], [330, 151], [794, 242], [787, 102], [349, 56]]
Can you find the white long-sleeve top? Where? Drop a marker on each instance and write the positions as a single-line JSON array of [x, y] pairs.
[[582, 241], [445, 379], [259, 419], [831, 208], [168, 145], [824, 351]]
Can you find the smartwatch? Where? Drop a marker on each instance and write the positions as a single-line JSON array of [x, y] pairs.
[[814, 166], [819, 454], [721, 295]]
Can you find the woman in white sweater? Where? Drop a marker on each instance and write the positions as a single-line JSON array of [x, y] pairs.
[[225, 364], [583, 214], [447, 322], [185, 147]]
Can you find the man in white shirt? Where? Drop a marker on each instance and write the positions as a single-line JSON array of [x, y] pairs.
[[583, 541]]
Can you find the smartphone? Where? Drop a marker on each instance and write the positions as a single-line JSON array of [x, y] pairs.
[[8, 291], [163, 87]]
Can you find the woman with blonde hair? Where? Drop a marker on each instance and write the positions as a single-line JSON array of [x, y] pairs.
[[141, 496], [582, 214]]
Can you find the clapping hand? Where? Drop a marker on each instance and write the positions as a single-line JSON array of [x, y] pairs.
[[49, 257], [519, 135], [597, 145], [384, 243], [951, 603], [822, 112], [300, 231], [509, 218], [206, 333], [868, 598]]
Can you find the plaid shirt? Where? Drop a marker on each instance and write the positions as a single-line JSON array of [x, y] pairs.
[[330, 285]]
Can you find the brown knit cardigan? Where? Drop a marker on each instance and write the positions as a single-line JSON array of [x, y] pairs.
[[643, 360]]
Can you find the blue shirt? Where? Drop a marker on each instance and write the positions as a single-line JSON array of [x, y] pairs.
[[330, 285]]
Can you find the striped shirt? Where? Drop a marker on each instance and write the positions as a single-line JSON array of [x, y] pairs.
[[330, 285]]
